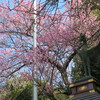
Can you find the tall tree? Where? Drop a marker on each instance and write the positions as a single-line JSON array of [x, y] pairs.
[[58, 39]]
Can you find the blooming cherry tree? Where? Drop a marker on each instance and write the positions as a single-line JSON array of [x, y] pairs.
[[58, 39]]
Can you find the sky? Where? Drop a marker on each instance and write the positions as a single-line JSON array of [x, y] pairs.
[[60, 4]]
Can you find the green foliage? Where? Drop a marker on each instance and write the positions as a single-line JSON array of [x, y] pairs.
[[61, 96], [94, 54], [77, 71], [95, 6], [97, 13], [17, 89], [20, 91], [26, 94]]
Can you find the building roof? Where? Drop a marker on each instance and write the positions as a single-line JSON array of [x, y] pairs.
[[89, 96]]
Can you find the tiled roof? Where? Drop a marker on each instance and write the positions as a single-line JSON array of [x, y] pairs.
[[89, 96]]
